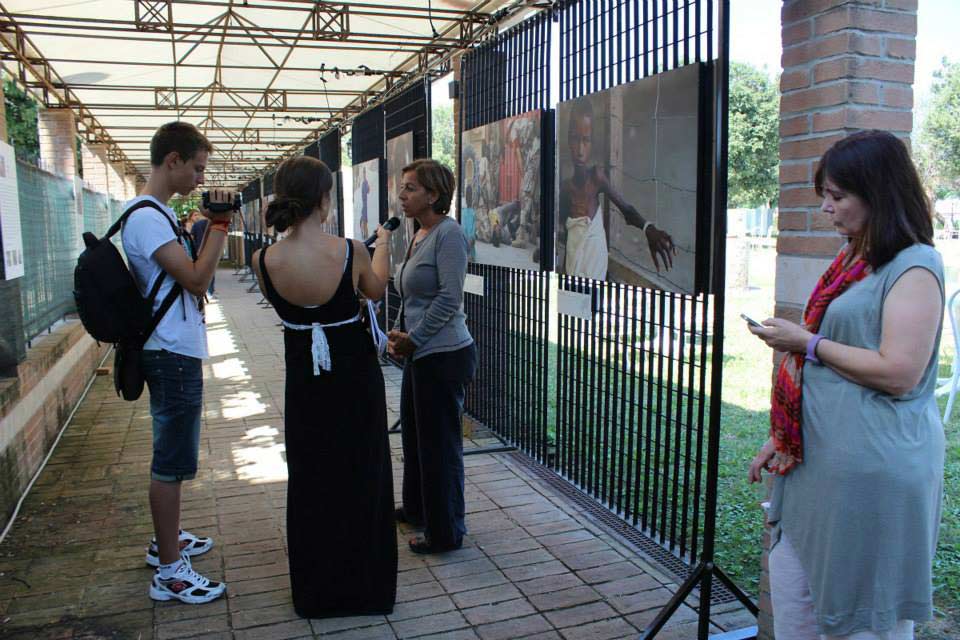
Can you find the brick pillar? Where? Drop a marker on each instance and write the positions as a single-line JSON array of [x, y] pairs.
[[57, 129], [95, 167], [848, 65], [118, 187], [130, 179]]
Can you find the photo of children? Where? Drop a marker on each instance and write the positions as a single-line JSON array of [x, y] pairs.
[[366, 198], [633, 147], [399, 155], [500, 200]]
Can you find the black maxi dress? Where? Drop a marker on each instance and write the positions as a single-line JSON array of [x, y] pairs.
[[341, 533]]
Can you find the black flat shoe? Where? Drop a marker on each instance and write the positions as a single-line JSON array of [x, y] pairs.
[[402, 516], [423, 546]]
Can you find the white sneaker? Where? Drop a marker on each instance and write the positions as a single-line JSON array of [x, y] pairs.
[[190, 545], [186, 585]]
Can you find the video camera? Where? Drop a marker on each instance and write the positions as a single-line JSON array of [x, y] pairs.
[[221, 207]]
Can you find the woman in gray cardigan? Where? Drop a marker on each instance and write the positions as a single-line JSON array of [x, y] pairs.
[[440, 360]]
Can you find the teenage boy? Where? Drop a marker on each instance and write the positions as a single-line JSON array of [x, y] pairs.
[[173, 354]]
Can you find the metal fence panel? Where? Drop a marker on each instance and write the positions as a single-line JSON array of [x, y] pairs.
[[504, 77], [52, 242]]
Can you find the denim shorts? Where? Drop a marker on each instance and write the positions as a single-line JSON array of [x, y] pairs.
[[176, 400]]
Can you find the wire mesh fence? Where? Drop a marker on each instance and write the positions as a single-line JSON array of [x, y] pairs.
[[51, 228]]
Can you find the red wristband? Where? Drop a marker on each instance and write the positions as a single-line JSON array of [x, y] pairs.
[[220, 225]]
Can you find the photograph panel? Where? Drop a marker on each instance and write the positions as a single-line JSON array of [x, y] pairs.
[[399, 155], [332, 224], [500, 198], [627, 187], [366, 199]]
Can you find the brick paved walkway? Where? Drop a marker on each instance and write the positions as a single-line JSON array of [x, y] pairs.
[[72, 566]]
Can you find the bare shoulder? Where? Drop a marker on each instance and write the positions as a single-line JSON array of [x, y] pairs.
[[255, 261], [915, 279], [361, 255]]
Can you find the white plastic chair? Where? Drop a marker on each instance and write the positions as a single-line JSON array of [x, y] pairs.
[[951, 384]]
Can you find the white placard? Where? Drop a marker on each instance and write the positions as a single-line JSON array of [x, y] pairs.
[[570, 303], [473, 284], [11, 238], [78, 201]]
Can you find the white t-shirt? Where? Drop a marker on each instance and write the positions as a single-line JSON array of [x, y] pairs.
[[182, 329]]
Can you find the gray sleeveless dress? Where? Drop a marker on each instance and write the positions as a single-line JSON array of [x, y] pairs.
[[863, 509]]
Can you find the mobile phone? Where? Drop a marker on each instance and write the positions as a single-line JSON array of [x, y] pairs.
[[751, 321]]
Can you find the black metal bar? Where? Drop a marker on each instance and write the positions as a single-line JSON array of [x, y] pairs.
[[582, 393], [647, 312], [621, 462], [677, 415], [665, 40], [592, 410], [635, 420], [749, 604], [655, 529], [544, 297], [655, 49], [564, 415], [688, 436], [492, 449], [719, 254], [604, 344], [674, 603]]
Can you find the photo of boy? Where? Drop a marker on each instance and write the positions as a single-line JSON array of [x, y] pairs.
[[628, 177], [581, 214]]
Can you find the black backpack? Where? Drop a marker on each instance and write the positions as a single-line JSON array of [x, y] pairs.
[[109, 302]]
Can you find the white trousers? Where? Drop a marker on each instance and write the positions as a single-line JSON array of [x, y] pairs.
[[793, 613]]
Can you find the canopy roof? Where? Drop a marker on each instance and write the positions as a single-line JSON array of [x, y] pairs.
[[260, 77]]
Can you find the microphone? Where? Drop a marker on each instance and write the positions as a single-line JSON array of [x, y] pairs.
[[389, 225]]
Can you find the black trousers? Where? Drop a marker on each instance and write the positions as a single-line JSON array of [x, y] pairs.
[[431, 407]]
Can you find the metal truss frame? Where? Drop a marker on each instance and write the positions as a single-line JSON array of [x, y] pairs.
[[319, 25]]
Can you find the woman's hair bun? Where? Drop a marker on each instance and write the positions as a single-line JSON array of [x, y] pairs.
[[283, 212], [300, 185]]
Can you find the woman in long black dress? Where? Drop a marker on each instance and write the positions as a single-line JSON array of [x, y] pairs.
[[340, 524]]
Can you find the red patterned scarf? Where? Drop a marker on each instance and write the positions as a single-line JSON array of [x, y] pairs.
[[785, 410]]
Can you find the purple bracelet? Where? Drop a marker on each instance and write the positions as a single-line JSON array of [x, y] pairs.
[[812, 348]]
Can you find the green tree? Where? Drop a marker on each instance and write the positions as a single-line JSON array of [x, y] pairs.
[[939, 153], [444, 149], [21, 121], [183, 205], [754, 143]]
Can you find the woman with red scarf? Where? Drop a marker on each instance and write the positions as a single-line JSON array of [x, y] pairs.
[[856, 443]]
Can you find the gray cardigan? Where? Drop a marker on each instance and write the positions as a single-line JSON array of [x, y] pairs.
[[431, 286]]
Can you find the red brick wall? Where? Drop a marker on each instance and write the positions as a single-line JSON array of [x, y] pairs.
[[847, 65], [35, 434]]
